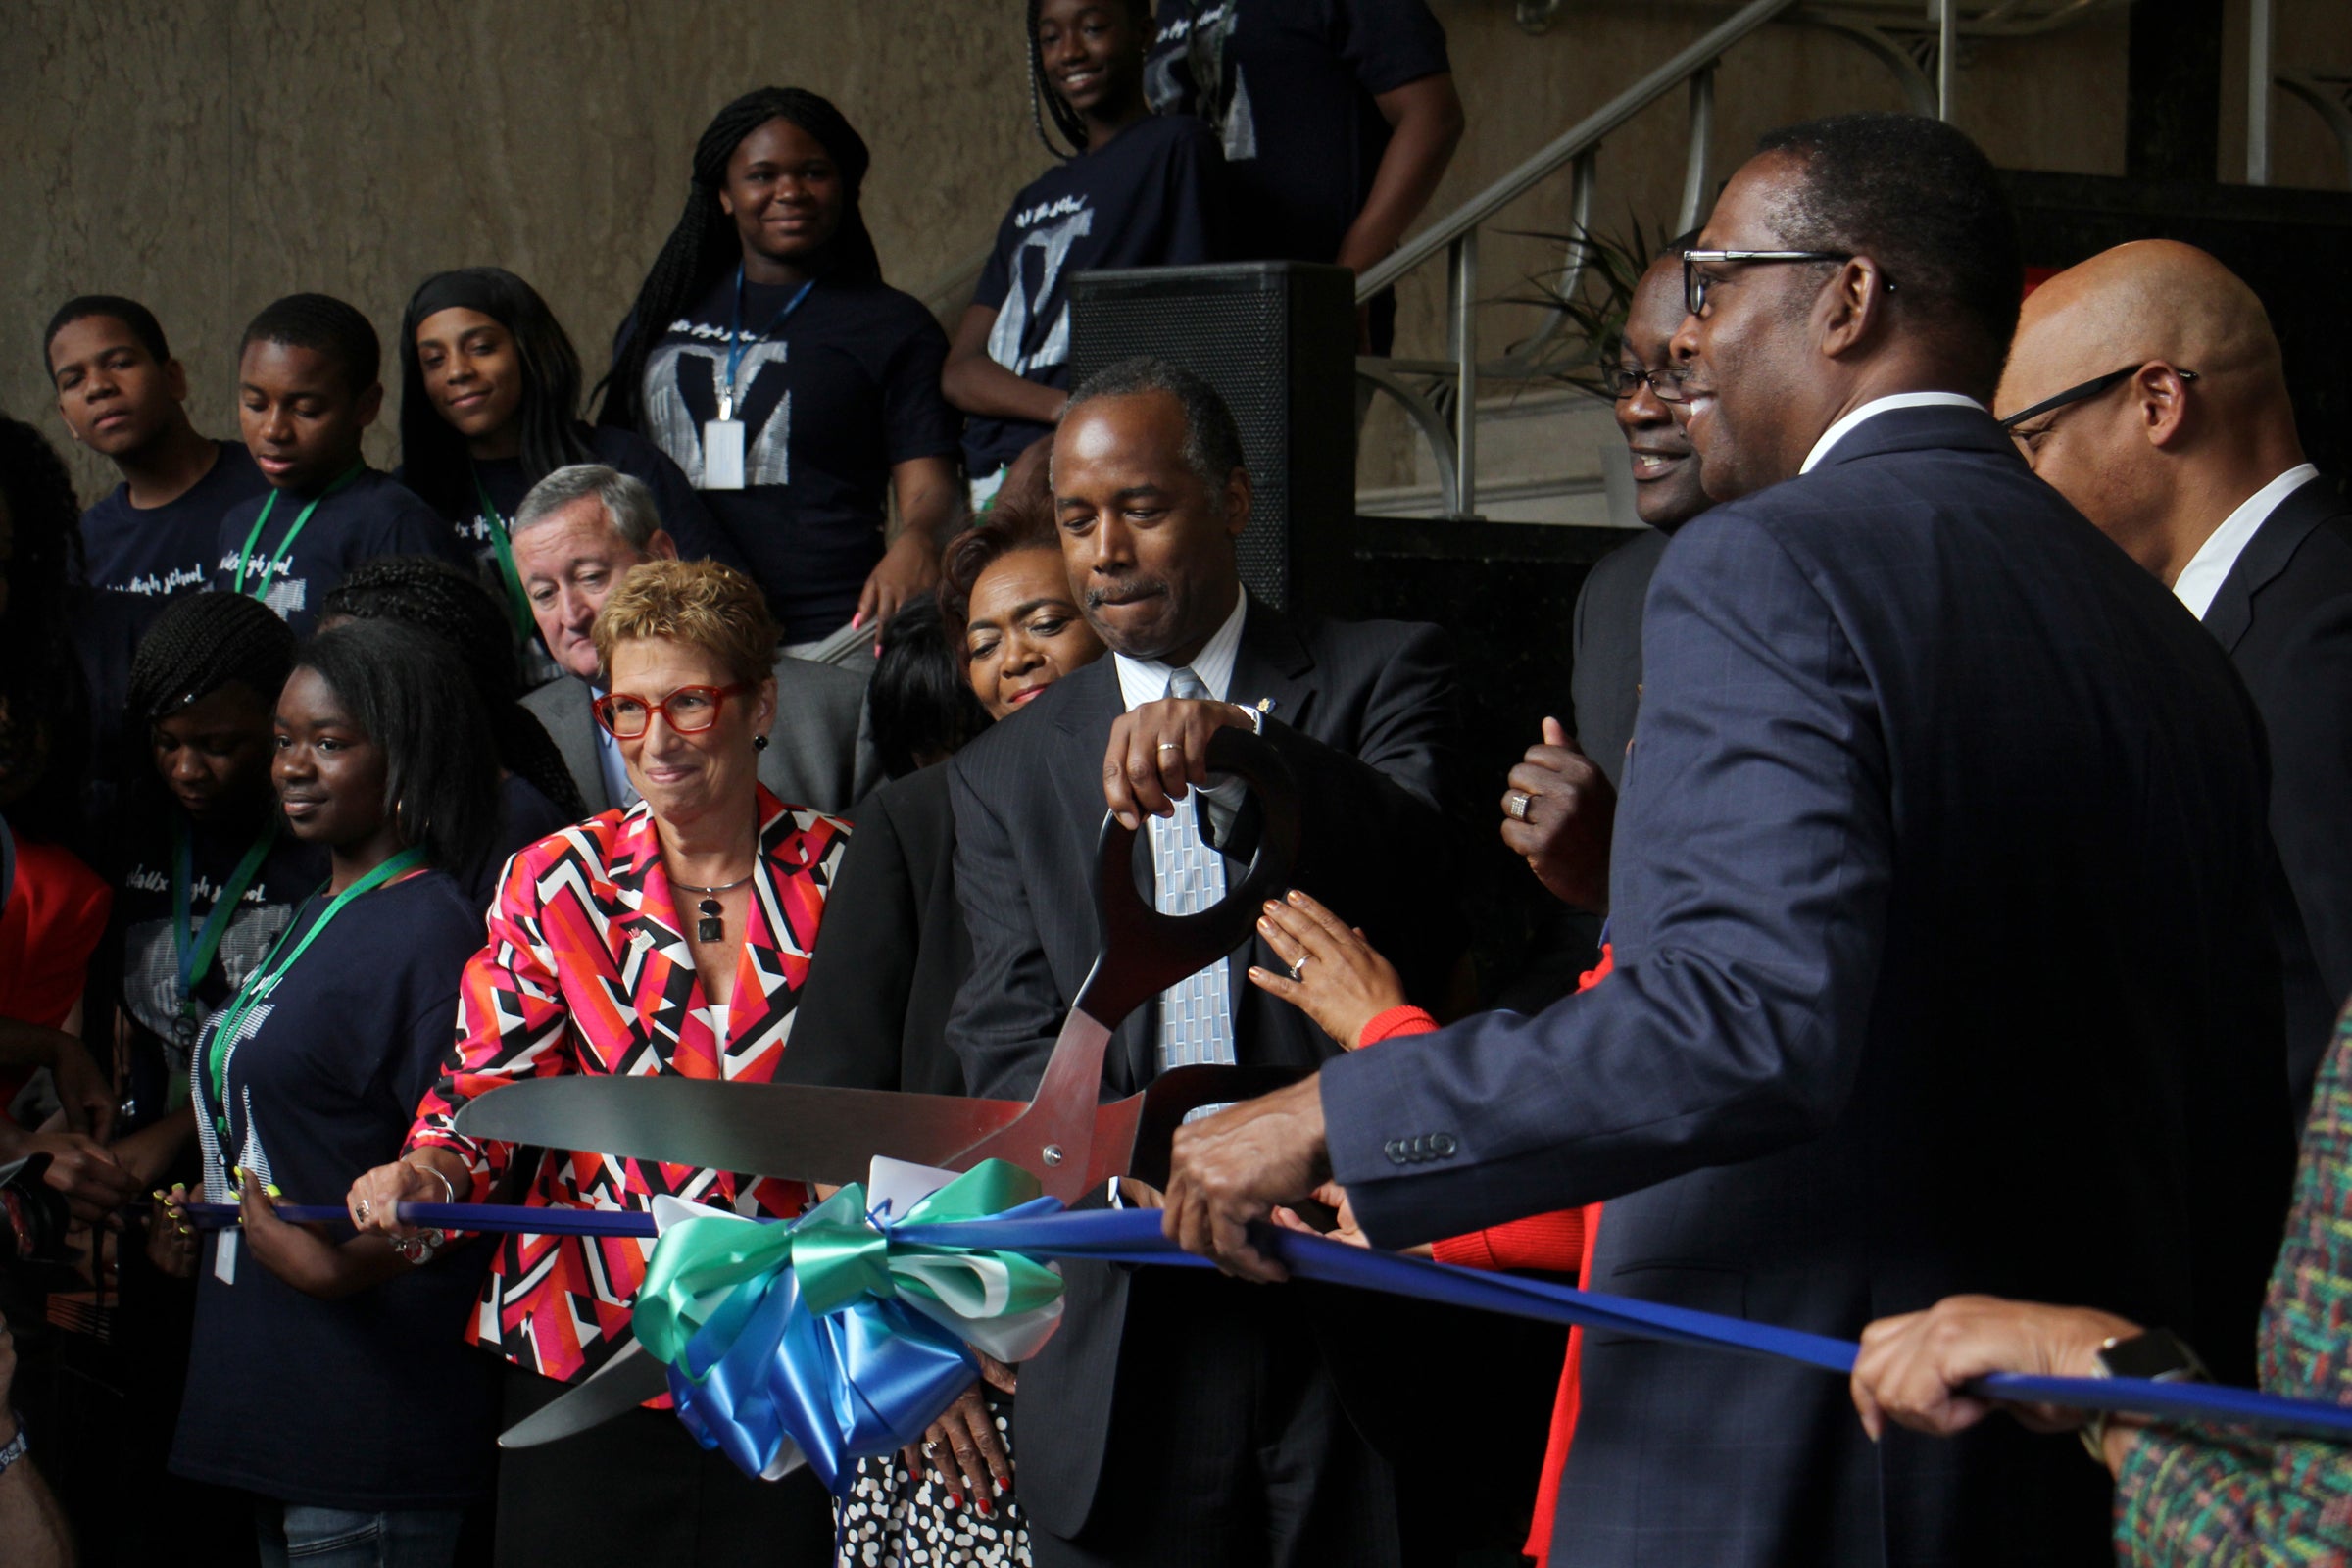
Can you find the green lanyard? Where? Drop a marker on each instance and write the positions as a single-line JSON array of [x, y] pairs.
[[518, 603], [264, 980], [196, 949], [285, 547]]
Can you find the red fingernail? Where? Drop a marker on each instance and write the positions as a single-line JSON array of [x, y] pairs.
[[955, 1500], [981, 1503]]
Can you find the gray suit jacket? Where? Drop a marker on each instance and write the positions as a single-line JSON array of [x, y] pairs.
[[819, 751]]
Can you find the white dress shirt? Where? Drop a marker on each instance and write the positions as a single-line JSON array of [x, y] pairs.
[[1877, 405], [2209, 567]]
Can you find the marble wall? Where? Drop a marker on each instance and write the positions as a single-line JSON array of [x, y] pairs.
[[209, 155]]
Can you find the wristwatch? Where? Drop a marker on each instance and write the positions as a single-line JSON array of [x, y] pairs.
[[15, 1447], [2156, 1354]]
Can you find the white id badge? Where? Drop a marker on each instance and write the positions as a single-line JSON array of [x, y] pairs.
[[224, 1256], [723, 454]]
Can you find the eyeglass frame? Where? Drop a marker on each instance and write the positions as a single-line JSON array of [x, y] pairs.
[[718, 696], [2084, 392], [1645, 378], [1694, 293]]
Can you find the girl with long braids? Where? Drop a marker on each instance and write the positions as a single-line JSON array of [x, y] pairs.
[[490, 406], [536, 796], [1135, 189], [767, 356]]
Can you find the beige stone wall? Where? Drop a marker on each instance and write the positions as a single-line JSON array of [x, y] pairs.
[[209, 155]]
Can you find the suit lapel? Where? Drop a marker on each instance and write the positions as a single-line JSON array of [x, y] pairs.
[[2266, 556], [574, 735], [1274, 673]]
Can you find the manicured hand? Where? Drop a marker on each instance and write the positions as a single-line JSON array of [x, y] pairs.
[[966, 1432], [172, 1245], [375, 1200], [1570, 811], [1342, 982], [1159, 752], [1914, 1369], [1231, 1169], [908, 570]]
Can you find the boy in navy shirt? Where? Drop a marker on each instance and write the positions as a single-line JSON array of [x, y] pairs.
[[1141, 192], [306, 389], [124, 396]]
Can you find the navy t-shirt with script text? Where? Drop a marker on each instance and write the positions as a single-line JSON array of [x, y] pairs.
[[1153, 196], [373, 515], [1288, 87], [832, 399], [154, 554], [373, 1401]]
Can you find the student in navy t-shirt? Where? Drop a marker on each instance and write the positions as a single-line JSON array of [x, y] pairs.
[[307, 388], [489, 406], [1336, 116], [1139, 191], [327, 1376], [767, 356], [125, 397]]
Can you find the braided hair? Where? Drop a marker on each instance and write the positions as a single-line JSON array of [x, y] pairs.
[[203, 642], [704, 246], [1044, 101], [433, 458], [44, 709], [457, 611]]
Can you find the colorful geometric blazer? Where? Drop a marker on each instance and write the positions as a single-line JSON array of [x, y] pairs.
[[2218, 1497], [587, 970]]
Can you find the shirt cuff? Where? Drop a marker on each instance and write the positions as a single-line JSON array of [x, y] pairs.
[[1400, 1020]]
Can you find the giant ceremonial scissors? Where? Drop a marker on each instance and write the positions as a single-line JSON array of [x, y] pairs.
[[1064, 1137]]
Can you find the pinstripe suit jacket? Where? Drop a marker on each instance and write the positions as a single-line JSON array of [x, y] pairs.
[[1939, 906], [1364, 712]]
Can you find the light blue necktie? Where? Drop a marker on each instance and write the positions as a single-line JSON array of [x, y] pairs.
[[1196, 1015]]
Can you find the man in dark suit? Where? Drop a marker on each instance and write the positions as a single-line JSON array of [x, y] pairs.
[[1938, 885], [1190, 1420], [1560, 801], [575, 536], [2146, 385]]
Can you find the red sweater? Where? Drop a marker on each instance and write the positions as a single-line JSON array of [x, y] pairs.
[[1553, 1243]]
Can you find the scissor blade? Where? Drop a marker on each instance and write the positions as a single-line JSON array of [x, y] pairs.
[[618, 1387], [810, 1133]]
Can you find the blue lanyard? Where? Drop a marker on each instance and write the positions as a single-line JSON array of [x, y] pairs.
[[736, 339]]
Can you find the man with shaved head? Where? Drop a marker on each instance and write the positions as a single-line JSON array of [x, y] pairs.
[[2145, 384]]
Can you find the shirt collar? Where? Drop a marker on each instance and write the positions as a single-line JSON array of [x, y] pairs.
[[1146, 680], [1878, 406], [2209, 567]]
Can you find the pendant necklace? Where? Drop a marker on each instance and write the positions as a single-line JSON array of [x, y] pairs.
[[709, 928]]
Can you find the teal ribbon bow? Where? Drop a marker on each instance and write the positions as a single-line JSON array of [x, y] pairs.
[[835, 1338]]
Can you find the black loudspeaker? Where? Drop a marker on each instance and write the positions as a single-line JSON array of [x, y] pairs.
[[1277, 340]]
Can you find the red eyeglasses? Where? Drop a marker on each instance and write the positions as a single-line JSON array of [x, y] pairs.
[[690, 709]]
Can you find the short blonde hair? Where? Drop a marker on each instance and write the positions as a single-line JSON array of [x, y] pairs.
[[712, 607]]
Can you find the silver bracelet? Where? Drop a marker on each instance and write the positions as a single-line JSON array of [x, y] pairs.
[[447, 1186]]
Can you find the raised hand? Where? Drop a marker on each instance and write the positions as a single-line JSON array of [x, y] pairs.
[[1557, 815], [1329, 972]]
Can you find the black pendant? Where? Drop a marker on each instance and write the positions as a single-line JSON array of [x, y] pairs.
[[709, 929]]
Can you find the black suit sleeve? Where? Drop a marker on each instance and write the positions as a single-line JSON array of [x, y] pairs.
[[845, 1030], [1010, 1009], [2307, 702]]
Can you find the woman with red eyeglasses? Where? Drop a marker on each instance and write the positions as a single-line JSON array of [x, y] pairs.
[[672, 937]]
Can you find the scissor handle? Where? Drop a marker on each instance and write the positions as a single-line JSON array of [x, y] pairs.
[[1145, 952]]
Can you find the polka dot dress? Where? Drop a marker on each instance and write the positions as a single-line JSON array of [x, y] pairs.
[[892, 1519]]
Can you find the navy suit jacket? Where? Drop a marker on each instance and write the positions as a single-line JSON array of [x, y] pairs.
[[2284, 613], [1942, 964], [1365, 714]]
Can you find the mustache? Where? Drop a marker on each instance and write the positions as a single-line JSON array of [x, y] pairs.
[[1125, 588]]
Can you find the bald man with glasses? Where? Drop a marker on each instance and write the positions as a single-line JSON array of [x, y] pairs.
[[2145, 384]]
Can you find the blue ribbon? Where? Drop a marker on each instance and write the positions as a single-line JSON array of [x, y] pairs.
[[1133, 1236]]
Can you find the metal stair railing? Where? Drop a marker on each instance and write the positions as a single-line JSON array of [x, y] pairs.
[[1444, 407]]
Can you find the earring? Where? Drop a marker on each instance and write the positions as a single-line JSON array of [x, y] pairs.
[[759, 742]]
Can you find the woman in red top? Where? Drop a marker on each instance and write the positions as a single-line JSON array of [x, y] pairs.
[[1338, 979]]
